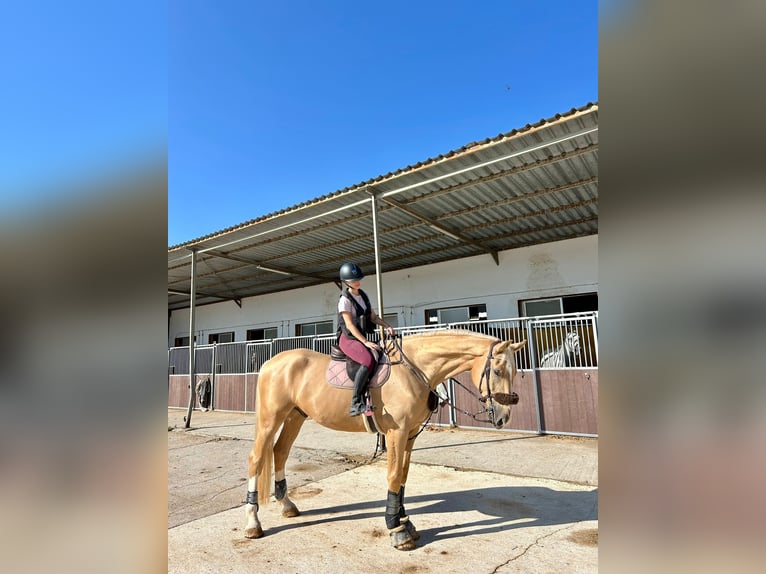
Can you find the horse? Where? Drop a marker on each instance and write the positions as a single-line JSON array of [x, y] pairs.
[[292, 387], [564, 355]]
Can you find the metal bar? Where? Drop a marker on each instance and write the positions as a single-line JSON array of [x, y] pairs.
[[535, 381], [183, 293], [594, 322], [212, 376], [192, 298], [378, 271]]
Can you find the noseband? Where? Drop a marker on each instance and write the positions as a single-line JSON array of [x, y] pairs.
[[500, 398]]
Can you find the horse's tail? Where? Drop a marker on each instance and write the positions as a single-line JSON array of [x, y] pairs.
[[264, 477], [265, 466]]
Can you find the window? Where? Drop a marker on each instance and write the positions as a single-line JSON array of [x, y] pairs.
[[319, 328], [227, 337], [456, 314], [392, 319], [262, 334], [559, 305], [184, 341]]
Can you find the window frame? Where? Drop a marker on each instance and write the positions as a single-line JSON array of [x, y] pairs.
[[300, 326], [474, 312]]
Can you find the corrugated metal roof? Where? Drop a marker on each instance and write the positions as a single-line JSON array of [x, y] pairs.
[[532, 185]]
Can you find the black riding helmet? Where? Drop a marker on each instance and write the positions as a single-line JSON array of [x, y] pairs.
[[351, 272]]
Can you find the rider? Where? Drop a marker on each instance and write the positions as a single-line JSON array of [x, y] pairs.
[[355, 319]]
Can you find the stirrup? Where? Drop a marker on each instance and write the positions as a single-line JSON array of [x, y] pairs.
[[356, 410]]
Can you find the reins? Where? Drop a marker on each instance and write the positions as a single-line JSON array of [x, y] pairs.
[[405, 360]]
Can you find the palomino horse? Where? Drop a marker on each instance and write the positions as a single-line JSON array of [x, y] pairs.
[[292, 387]]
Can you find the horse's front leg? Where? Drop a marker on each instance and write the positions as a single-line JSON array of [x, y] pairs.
[[401, 538], [403, 518], [292, 426]]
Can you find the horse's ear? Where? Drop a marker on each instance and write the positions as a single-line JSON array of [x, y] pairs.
[[501, 347], [515, 347]]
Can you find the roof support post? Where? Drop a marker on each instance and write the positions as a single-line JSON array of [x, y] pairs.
[[192, 390], [378, 274]]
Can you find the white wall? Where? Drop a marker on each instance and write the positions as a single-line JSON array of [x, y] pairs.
[[551, 269]]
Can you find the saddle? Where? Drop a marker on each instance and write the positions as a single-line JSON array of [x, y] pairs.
[[342, 370]]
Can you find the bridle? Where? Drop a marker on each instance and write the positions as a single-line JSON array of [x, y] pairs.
[[488, 399]]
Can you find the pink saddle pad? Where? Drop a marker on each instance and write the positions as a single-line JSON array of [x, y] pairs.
[[337, 376]]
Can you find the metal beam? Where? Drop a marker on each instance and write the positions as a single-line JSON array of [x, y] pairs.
[[269, 268], [378, 270], [192, 390], [443, 229], [183, 293]]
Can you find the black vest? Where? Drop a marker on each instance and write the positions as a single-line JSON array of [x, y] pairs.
[[363, 316]]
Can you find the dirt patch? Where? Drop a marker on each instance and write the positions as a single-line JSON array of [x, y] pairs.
[[303, 466], [304, 492], [588, 537]]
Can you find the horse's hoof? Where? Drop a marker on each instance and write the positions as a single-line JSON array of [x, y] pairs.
[[411, 530], [402, 540], [291, 512], [254, 532]]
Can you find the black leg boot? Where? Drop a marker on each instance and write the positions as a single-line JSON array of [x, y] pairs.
[[360, 385]]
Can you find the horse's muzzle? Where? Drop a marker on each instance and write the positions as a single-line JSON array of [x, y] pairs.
[[505, 398]]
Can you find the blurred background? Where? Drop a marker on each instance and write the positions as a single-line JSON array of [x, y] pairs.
[[683, 286]]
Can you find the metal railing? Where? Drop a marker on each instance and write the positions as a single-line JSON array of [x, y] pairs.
[[545, 337], [543, 334]]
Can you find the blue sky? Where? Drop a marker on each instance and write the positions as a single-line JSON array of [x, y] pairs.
[[264, 105]]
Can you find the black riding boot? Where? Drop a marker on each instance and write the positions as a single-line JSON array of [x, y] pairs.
[[360, 385]]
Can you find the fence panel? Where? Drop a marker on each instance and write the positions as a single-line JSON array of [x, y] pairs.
[[257, 353], [550, 340], [505, 330], [287, 343], [231, 358], [178, 361], [323, 344]]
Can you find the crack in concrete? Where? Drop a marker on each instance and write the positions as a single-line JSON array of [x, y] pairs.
[[535, 543]]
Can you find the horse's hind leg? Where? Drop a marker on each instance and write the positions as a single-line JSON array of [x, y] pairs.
[[292, 426], [259, 467]]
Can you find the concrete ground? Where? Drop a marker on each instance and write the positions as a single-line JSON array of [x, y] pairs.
[[483, 501]]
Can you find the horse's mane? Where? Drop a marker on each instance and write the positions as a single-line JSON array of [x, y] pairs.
[[436, 332]]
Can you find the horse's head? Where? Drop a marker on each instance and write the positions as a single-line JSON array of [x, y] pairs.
[[494, 376]]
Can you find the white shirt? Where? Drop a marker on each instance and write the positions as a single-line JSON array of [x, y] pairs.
[[345, 306]]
